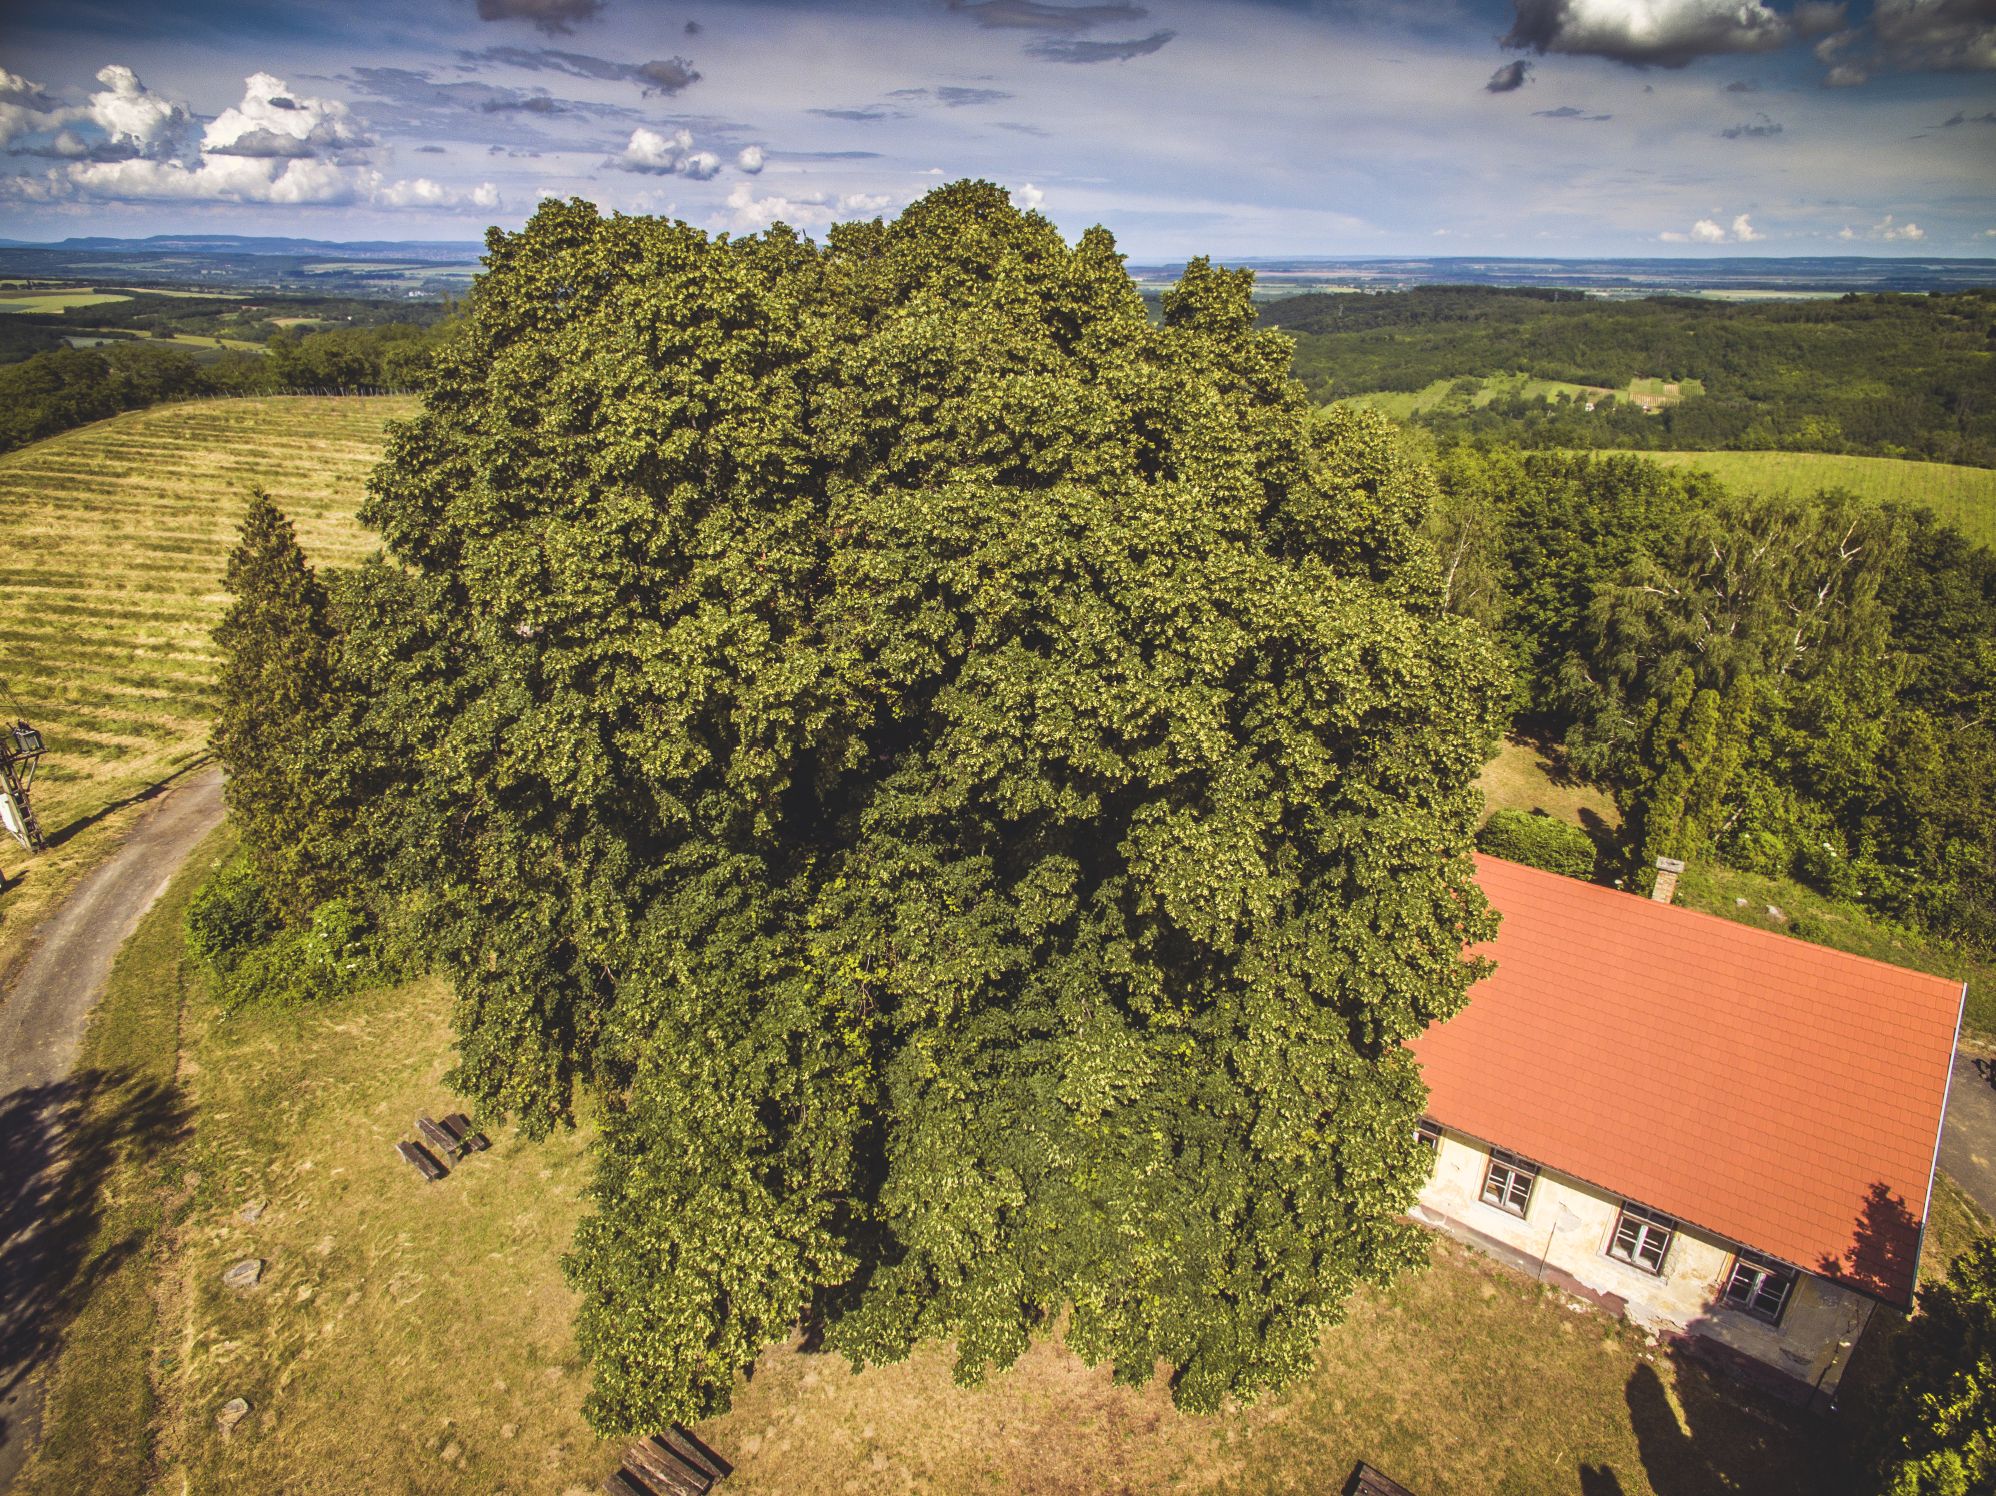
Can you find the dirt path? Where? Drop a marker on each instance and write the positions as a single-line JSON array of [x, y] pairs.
[[1968, 1136], [42, 1016]]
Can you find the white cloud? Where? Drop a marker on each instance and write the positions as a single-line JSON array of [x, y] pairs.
[[1027, 198], [25, 108], [1652, 33], [649, 151], [1890, 229], [272, 122], [701, 166], [147, 124], [750, 159], [747, 214], [1711, 231]]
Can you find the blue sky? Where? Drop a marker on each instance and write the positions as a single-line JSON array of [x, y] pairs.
[[1232, 127]]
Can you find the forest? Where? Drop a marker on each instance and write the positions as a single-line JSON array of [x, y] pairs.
[[1882, 375], [1796, 688]]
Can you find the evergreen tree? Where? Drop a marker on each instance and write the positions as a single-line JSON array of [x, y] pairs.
[[978, 781], [276, 687]]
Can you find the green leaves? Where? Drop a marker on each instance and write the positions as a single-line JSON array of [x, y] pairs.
[[978, 781]]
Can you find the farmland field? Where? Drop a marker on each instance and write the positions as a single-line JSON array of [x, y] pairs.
[[1402, 405], [55, 301], [113, 581], [1965, 496]]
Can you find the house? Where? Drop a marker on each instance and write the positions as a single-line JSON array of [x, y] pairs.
[[1724, 1133]]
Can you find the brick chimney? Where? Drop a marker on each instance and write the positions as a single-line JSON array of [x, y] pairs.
[[1667, 869]]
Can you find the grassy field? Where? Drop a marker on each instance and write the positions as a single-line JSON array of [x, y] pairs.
[[113, 581], [412, 1337], [56, 301], [1965, 496], [1402, 405], [1528, 778]]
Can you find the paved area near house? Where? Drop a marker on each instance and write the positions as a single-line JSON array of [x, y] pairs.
[[1968, 1137], [42, 1017]]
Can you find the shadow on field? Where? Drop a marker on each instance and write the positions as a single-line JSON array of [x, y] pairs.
[[137, 797], [57, 1143]]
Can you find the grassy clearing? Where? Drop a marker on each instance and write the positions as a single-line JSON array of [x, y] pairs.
[[114, 1220], [416, 1337], [1525, 777], [1965, 496], [113, 581], [1404, 405]]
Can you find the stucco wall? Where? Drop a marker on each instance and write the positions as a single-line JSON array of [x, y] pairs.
[[1569, 1225]]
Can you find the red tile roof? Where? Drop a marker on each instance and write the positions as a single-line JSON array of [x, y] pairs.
[[1784, 1095]]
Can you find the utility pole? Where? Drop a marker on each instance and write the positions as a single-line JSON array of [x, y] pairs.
[[20, 751]]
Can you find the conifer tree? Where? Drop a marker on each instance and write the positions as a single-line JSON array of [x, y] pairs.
[[979, 782], [275, 684]]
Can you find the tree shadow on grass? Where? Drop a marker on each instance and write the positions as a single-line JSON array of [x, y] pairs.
[[58, 1143], [152, 791], [1709, 1434]]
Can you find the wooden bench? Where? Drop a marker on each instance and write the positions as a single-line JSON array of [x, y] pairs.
[[422, 1160], [1366, 1481], [459, 1127], [669, 1464], [440, 1138]]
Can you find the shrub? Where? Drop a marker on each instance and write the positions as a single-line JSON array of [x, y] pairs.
[[1540, 841], [229, 916]]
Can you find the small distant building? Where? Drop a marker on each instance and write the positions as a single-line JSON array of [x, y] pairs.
[[1723, 1133]]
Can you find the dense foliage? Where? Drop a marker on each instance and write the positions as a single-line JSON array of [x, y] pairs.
[[1888, 375], [1540, 840], [1795, 687], [1936, 1434], [979, 782]]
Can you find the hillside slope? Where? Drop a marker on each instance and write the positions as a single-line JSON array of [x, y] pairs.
[[112, 578]]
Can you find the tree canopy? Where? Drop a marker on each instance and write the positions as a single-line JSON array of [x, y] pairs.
[[977, 781]]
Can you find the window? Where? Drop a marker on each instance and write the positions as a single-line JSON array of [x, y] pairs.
[[1759, 1286], [1428, 1133], [1642, 1237], [1508, 1185]]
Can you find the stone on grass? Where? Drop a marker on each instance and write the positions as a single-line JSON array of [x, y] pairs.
[[230, 1414], [252, 1211], [245, 1273]]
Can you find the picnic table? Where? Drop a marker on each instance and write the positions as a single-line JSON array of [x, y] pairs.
[[673, 1463]]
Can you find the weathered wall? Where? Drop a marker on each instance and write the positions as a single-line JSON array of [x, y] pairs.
[[1569, 1225]]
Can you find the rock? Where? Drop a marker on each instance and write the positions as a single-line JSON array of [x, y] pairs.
[[1741, 901], [252, 1212], [245, 1273], [230, 1414], [1774, 912]]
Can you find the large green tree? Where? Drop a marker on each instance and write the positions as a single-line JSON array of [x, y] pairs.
[[276, 688], [1935, 1434], [977, 780]]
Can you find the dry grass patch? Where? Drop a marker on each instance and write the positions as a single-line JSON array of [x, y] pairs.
[[1528, 778]]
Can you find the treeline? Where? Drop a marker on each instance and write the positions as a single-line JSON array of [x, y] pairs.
[[1792, 688], [65, 387], [1885, 375]]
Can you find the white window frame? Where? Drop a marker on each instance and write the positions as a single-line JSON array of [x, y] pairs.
[[1428, 1133], [1508, 1182], [1759, 1271], [1642, 1238]]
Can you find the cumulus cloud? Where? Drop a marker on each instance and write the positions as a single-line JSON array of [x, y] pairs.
[[1711, 231], [1887, 228], [273, 124], [555, 17], [1655, 33], [701, 166], [654, 153], [750, 159], [26, 108], [140, 122], [1936, 35], [746, 213], [1760, 127], [1028, 198], [272, 147], [1509, 78]]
